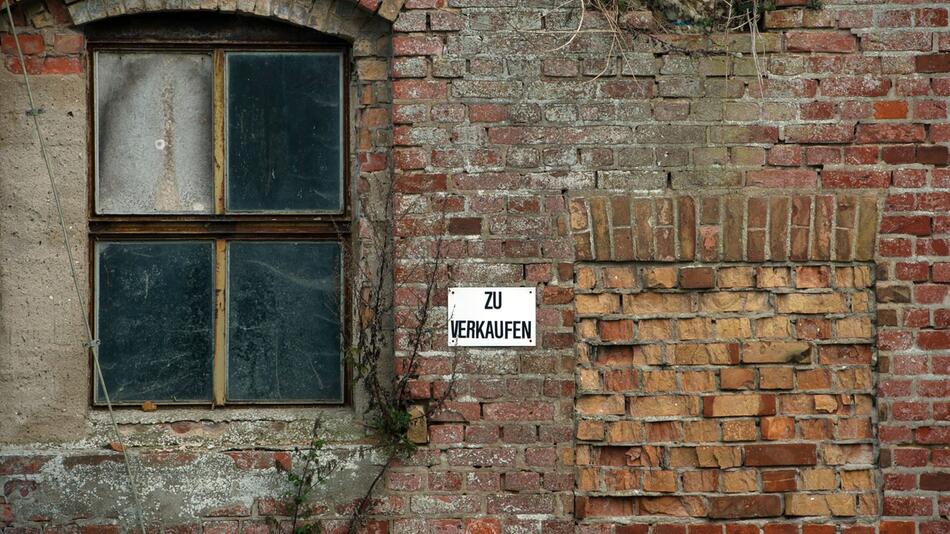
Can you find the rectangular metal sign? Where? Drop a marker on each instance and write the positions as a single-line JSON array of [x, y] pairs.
[[492, 317]]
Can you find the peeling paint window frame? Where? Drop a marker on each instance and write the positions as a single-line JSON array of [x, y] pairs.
[[222, 226]]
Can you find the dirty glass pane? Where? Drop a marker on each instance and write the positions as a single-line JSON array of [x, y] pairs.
[[284, 321], [154, 319], [284, 132], [153, 133]]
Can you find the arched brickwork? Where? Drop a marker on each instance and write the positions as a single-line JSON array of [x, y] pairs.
[[341, 18]]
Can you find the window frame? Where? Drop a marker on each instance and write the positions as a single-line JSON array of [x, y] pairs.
[[220, 227]]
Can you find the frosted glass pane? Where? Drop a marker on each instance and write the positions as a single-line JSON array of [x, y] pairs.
[[153, 130], [284, 321], [155, 319], [284, 132]]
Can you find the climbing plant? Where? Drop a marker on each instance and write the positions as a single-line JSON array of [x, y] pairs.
[[388, 411]]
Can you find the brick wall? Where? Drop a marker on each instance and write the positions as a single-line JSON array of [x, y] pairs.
[[742, 264], [914, 345], [718, 390]]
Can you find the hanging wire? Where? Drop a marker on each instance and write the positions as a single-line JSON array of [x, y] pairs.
[[91, 342]]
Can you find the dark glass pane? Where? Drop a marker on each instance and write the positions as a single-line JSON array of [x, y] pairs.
[[284, 326], [154, 309], [284, 132]]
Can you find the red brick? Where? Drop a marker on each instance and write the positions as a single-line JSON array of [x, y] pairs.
[[22, 464], [822, 155], [785, 155], [819, 133], [620, 380], [419, 90], [487, 113], [819, 110], [465, 226], [62, 65], [910, 224], [896, 155], [891, 133], [417, 46], [483, 526], [697, 277], [783, 18], [906, 506], [632, 529], [585, 507], [779, 481], [741, 528], [933, 340], [68, 43], [898, 527], [941, 272], [820, 41], [929, 109], [912, 87], [743, 507], [518, 411], [769, 455], [738, 405], [855, 179], [932, 155], [621, 330], [420, 183], [30, 43], [854, 86], [890, 109], [930, 293], [932, 63], [931, 17], [818, 529], [34, 64]]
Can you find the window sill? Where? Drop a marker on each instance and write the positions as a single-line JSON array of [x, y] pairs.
[[174, 414]]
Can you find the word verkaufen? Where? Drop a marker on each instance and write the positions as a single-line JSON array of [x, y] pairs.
[[468, 329]]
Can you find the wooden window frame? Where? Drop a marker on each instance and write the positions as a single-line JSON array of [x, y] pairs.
[[220, 226]]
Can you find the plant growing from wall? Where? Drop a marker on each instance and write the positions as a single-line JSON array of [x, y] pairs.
[[389, 411], [315, 471], [622, 19]]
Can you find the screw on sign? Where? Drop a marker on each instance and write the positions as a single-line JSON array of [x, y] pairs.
[[492, 317]]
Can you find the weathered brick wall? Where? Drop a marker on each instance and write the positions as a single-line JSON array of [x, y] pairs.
[[221, 470], [717, 389], [727, 246], [914, 341]]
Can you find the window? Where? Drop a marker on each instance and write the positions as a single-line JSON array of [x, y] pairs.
[[219, 222]]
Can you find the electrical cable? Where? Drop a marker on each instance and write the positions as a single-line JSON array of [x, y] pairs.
[[91, 342]]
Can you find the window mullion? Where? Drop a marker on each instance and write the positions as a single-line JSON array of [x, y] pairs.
[[220, 319], [218, 135]]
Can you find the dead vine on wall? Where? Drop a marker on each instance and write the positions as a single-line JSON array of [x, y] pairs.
[[389, 412]]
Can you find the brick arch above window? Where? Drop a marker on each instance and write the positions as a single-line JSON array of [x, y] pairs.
[[357, 21]]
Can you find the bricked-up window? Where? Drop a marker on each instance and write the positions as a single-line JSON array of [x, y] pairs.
[[219, 222]]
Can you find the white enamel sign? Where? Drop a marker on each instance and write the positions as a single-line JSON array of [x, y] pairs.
[[492, 317]]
